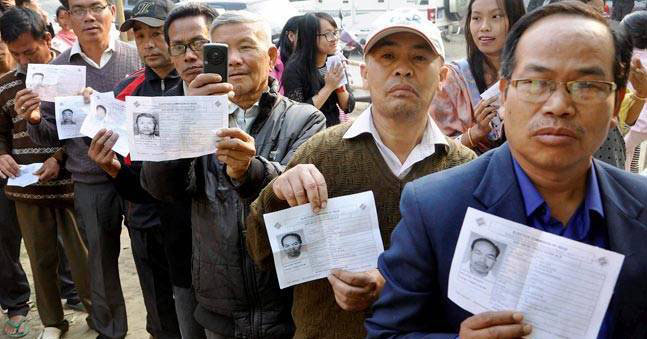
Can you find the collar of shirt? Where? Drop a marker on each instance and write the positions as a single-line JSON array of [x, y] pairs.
[[431, 137], [579, 226], [20, 70], [244, 118], [105, 57]]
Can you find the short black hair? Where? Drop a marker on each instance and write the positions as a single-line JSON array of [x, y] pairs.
[[621, 41], [19, 20], [636, 26], [67, 110], [291, 235], [485, 240], [102, 107], [37, 73], [189, 9]]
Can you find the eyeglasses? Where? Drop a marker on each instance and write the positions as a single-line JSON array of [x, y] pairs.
[[80, 12], [195, 46], [581, 91], [331, 36]]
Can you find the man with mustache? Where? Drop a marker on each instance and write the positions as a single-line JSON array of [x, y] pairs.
[[98, 206], [235, 299], [160, 233], [391, 143], [563, 77]]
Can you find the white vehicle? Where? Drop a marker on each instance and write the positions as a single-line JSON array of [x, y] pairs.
[[359, 16], [276, 12]]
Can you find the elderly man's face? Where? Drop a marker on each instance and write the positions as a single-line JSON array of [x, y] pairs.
[[184, 31], [558, 133], [402, 73], [482, 258], [251, 56]]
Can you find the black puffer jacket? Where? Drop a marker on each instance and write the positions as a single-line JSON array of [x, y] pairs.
[[244, 302]]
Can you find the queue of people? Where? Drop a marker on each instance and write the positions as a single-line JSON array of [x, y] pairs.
[[428, 147]]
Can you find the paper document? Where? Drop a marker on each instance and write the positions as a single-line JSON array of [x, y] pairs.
[[496, 123], [308, 245], [26, 176], [562, 286], [334, 60], [70, 114], [109, 113], [51, 81], [169, 128]]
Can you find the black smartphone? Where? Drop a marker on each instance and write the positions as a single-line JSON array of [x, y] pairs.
[[215, 59]]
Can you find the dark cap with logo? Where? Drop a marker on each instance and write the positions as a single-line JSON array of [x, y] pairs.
[[149, 12]]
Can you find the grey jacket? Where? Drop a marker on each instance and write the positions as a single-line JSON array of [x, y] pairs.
[[245, 302]]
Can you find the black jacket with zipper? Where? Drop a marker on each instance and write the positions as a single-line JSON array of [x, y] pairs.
[[235, 299]]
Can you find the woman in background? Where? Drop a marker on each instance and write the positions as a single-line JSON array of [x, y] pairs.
[[457, 107], [286, 46], [306, 77]]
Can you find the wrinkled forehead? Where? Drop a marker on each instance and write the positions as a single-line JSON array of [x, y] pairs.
[[566, 43]]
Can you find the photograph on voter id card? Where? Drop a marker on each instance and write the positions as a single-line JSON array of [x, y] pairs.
[[70, 114], [481, 257], [146, 127]]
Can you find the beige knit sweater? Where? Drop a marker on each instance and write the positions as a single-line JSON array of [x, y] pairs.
[[349, 166]]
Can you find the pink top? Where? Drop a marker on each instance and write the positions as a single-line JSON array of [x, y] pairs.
[[451, 107], [277, 71]]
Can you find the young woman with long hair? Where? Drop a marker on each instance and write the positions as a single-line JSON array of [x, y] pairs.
[[457, 107], [306, 78], [286, 46]]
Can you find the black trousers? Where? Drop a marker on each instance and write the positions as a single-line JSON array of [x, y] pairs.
[[14, 287], [154, 278]]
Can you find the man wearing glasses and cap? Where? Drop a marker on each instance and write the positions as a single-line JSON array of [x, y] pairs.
[[160, 233], [563, 77], [391, 143]]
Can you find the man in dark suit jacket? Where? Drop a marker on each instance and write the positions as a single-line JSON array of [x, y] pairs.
[[560, 95]]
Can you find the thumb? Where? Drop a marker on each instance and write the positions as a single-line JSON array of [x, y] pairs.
[[40, 170]]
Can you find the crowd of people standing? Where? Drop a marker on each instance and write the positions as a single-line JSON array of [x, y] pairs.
[[571, 88]]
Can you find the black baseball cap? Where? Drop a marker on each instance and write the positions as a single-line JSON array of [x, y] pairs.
[[150, 12]]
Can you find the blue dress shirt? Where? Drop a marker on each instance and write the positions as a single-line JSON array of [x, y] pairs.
[[587, 225]]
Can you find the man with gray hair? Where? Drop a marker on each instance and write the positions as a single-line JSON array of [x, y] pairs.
[[234, 298]]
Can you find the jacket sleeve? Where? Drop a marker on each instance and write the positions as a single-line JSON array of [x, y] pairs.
[[261, 170], [45, 133], [405, 308], [258, 244], [168, 181], [6, 127]]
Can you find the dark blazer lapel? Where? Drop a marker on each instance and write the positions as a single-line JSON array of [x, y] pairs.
[[627, 236], [498, 191]]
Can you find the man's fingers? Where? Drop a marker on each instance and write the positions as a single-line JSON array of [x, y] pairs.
[[298, 190], [491, 319], [236, 133], [360, 279], [322, 187], [97, 136], [283, 190], [235, 145], [350, 293], [40, 170], [87, 94], [312, 191], [505, 331], [204, 79]]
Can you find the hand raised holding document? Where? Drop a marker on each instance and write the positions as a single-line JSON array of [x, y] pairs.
[[27, 105], [101, 152], [356, 291], [302, 184], [236, 149], [494, 325]]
